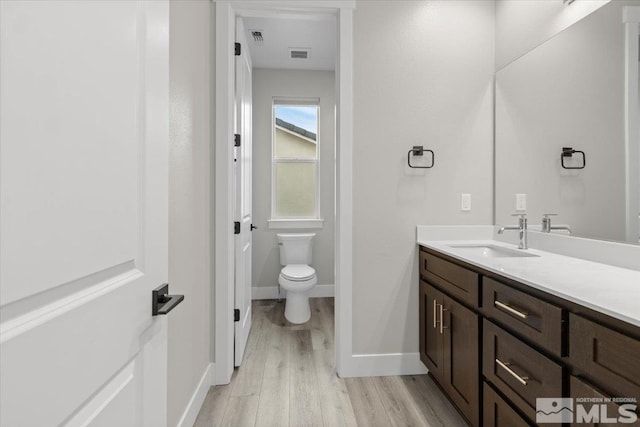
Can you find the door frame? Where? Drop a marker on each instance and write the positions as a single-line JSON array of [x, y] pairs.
[[226, 12], [631, 19]]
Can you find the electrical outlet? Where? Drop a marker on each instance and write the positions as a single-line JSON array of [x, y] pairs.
[[465, 202], [521, 202]]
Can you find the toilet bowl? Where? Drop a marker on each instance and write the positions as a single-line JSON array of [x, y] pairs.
[[297, 277]]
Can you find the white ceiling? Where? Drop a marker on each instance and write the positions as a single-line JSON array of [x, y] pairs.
[[281, 34]]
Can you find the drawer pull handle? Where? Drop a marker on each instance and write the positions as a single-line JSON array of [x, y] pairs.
[[505, 366], [510, 309]]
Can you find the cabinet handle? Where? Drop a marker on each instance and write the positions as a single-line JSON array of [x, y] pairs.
[[435, 314], [505, 366], [442, 327], [510, 309]]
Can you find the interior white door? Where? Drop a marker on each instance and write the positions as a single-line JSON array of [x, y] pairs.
[[83, 212], [243, 185]]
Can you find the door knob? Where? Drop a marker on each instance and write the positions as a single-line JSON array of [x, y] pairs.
[[162, 302], [253, 227]]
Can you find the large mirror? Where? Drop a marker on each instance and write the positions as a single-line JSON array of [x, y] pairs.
[[577, 91]]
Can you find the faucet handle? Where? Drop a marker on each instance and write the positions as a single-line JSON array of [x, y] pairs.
[[521, 215], [548, 215]]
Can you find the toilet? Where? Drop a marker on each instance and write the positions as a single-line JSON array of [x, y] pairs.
[[297, 277]]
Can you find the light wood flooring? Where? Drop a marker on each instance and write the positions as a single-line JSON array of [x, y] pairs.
[[288, 378]]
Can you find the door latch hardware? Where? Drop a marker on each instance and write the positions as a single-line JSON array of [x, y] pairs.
[[162, 302], [237, 49], [236, 227], [236, 315], [236, 140]]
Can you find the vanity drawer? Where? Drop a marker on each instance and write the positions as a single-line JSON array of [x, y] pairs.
[[581, 389], [455, 280], [517, 370], [498, 413], [528, 316], [605, 357]]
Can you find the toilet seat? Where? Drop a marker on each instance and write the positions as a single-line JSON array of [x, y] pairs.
[[298, 272]]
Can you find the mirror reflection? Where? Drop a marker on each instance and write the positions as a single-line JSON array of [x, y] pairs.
[[567, 131]]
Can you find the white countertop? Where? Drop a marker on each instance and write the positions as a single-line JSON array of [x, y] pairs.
[[611, 290]]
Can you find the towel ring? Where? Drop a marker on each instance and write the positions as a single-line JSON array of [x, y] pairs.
[[569, 152], [419, 150]]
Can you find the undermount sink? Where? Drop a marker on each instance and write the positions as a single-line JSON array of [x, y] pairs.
[[491, 251]]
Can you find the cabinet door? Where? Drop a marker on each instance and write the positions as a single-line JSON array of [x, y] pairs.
[[461, 358], [431, 338]]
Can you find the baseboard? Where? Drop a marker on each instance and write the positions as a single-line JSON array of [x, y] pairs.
[[271, 292], [197, 399], [381, 365]]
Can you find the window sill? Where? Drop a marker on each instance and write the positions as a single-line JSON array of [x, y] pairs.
[[295, 223]]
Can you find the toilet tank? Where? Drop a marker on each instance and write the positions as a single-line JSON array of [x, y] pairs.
[[295, 248]]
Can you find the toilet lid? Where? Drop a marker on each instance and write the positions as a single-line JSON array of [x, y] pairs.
[[298, 272]]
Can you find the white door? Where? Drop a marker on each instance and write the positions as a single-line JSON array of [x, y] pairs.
[[83, 212], [243, 177]]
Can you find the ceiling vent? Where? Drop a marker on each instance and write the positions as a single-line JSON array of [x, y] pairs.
[[257, 36], [299, 53]]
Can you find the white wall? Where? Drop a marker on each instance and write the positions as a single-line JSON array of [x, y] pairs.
[[521, 25], [568, 92], [423, 74], [268, 84], [190, 331]]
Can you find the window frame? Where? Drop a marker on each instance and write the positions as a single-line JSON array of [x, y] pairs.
[[312, 221]]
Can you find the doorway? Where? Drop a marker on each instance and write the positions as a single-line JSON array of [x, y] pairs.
[[226, 14]]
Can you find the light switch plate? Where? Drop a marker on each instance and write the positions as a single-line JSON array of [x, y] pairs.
[[521, 202], [465, 202]]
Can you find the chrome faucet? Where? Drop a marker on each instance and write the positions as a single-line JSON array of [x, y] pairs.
[[547, 227], [521, 227]]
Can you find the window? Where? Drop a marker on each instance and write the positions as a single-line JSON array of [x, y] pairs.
[[295, 183]]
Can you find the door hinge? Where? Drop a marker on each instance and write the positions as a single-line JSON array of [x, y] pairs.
[[236, 227], [238, 49], [236, 140], [236, 315]]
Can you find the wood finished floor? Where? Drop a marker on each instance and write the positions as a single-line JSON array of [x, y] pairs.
[[288, 378]]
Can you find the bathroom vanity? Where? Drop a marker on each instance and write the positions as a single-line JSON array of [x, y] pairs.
[[500, 328]]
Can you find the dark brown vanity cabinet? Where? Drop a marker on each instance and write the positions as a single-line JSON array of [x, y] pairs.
[[495, 345], [449, 348], [449, 334]]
